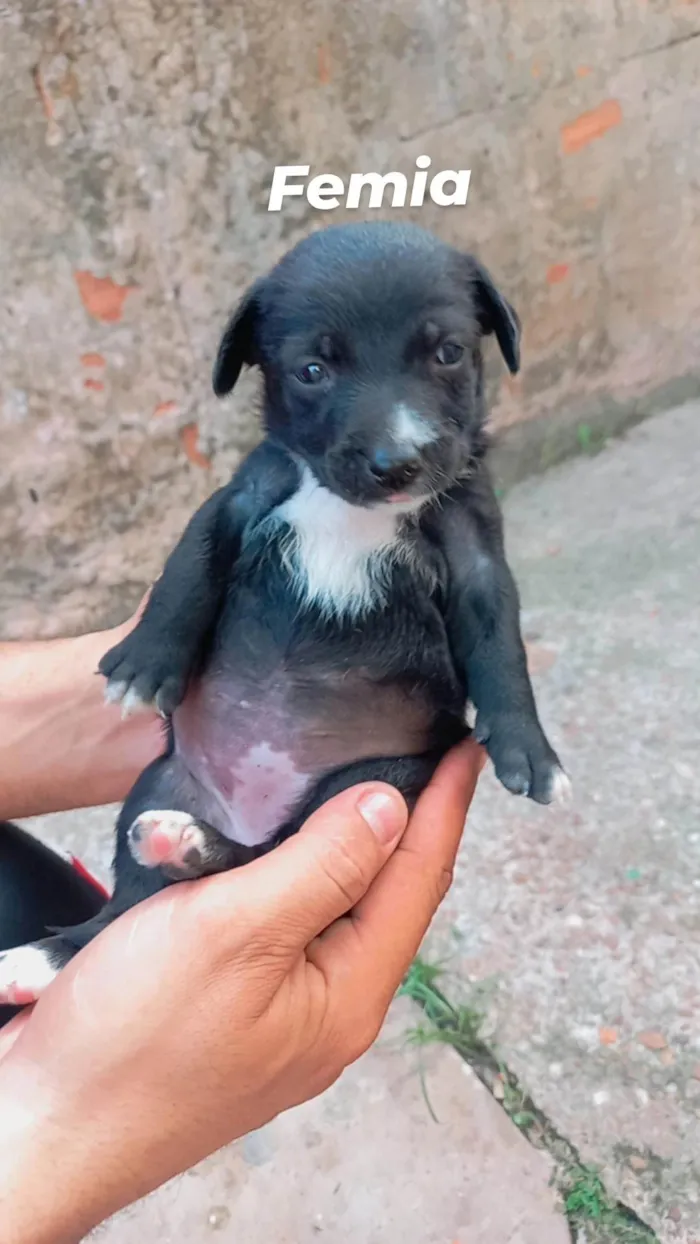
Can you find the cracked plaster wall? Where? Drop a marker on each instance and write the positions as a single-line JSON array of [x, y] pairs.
[[137, 143]]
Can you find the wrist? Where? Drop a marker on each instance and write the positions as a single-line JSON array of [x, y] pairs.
[[63, 747], [110, 751], [42, 1197]]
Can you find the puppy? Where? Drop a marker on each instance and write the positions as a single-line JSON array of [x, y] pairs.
[[329, 613]]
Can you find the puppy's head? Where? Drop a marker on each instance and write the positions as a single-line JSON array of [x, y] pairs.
[[369, 337]]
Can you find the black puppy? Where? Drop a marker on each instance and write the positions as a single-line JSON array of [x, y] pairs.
[[328, 614]]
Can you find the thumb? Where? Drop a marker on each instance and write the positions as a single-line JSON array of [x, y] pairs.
[[323, 871]]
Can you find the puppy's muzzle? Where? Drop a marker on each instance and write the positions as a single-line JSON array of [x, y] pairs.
[[394, 470]]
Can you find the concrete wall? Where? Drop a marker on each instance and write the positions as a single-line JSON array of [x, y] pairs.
[[137, 142]]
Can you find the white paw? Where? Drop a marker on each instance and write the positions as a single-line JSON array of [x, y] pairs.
[[561, 791], [25, 972], [117, 691], [131, 701], [164, 837]]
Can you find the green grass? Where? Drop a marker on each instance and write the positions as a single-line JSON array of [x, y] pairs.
[[444, 1024], [457, 1026], [587, 1197], [460, 1026], [591, 1213], [590, 440], [515, 1101]]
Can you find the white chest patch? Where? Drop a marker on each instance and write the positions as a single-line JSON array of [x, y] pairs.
[[341, 554]]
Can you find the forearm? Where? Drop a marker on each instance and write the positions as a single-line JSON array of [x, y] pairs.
[[65, 1170], [262, 1011], [41, 1201], [61, 746], [61, 1173], [497, 675], [496, 662]]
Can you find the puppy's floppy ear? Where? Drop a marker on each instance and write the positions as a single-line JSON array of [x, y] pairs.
[[496, 315], [238, 344]]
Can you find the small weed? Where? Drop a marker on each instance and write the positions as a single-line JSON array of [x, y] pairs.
[[587, 1197], [420, 980], [457, 1026], [592, 1214], [584, 436], [589, 440], [514, 1100]]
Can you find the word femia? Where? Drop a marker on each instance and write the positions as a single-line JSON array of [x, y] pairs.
[[447, 189]]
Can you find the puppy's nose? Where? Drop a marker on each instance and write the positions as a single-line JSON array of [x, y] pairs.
[[395, 469]]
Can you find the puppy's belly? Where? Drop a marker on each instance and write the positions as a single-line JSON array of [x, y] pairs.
[[256, 751]]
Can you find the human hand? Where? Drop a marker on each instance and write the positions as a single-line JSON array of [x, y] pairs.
[[117, 748], [62, 746], [205, 1011]]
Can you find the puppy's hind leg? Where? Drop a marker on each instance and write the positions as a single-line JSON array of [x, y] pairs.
[[168, 846], [408, 774], [183, 846], [25, 971]]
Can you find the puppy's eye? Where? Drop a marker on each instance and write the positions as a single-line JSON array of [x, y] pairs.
[[449, 354], [312, 373]]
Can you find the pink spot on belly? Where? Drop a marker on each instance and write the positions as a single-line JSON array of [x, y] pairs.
[[266, 786]]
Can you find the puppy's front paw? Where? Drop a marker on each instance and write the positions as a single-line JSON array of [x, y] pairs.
[[523, 759], [144, 672]]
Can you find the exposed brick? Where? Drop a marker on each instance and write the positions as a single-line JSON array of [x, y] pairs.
[[608, 1036], [590, 125], [189, 437], [539, 658], [652, 1040], [324, 65], [101, 296], [557, 273]]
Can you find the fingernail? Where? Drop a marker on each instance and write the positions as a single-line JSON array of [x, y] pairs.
[[385, 814]]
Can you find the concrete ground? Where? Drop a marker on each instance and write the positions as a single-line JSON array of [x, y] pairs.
[[367, 1163], [584, 926], [577, 933]]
